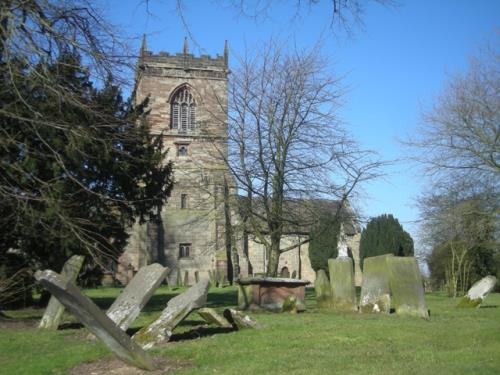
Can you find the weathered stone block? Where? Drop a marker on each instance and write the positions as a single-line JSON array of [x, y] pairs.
[[478, 292], [95, 320], [406, 286], [55, 309], [375, 289], [212, 317], [134, 297], [323, 290], [240, 320], [342, 284], [177, 309]]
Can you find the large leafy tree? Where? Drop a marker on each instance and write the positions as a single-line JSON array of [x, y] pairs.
[[384, 234]]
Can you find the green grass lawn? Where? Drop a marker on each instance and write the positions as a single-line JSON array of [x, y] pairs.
[[452, 341]]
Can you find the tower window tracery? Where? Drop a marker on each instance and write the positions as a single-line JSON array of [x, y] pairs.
[[183, 110]]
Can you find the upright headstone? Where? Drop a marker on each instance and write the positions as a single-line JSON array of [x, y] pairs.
[[407, 289], [55, 309], [323, 290], [95, 320], [342, 283], [478, 292], [177, 309], [375, 290], [134, 297]]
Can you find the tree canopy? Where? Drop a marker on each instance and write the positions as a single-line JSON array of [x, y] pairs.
[[383, 235]]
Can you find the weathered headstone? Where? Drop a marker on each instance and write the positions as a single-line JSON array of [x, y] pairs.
[[55, 309], [212, 317], [177, 309], [239, 320], [375, 290], [478, 292], [134, 297], [406, 285], [95, 320], [323, 289], [342, 283], [186, 278]]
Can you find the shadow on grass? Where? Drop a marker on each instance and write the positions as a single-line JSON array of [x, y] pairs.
[[198, 333]]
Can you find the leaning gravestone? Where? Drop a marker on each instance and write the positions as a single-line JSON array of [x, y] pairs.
[[478, 292], [134, 297], [406, 286], [323, 289], [239, 320], [55, 309], [342, 283], [95, 320], [177, 309], [375, 289], [212, 317]]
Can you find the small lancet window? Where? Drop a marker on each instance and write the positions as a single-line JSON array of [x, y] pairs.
[[182, 151], [183, 110]]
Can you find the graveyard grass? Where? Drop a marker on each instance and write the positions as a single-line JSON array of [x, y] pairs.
[[452, 341]]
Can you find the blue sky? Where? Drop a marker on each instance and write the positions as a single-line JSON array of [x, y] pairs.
[[394, 66]]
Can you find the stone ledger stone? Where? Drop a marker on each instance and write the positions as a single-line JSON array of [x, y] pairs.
[[323, 290], [55, 309], [342, 284], [212, 317], [478, 292], [375, 289], [95, 320], [407, 287], [134, 297], [177, 309]]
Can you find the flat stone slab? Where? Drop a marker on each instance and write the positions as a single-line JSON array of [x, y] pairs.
[[407, 288], [55, 309], [478, 292], [136, 294], [323, 290], [270, 293], [240, 320], [212, 317], [375, 289], [95, 320], [341, 272], [178, 308]]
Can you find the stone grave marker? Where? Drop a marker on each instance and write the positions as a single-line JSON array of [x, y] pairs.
[[375, 289], [212, 317], [178, 308], [478, 292], [136, 294], [239, 320], [407, 287], [342, 284], [55, 309], [95, 320], [323, 289]]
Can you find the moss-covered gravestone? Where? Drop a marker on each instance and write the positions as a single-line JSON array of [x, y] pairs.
[[342, 284], [406, 286], [478, 292], [323, 290], [375, 290]]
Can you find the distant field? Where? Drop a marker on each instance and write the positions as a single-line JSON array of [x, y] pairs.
[[452, 341]]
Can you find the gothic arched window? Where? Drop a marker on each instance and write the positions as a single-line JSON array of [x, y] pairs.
[[183, 110]]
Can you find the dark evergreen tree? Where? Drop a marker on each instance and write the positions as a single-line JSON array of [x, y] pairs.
[[384, 234], [323, 244]]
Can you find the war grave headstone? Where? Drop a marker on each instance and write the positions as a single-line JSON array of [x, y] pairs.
[[375, 289], [343, 290], [270, 293], [95, 320], [323, 289], [55, 309], [478, 292], [177, 309], [406, 286]]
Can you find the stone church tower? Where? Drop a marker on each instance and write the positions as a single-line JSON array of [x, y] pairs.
[[188, 106]]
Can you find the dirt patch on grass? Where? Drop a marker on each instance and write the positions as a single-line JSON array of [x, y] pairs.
[[7, 323], [112, 366]]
